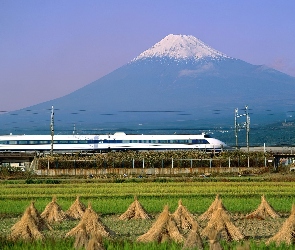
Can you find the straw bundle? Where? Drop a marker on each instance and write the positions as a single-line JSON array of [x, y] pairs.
[[213, 239], [164, 229], [95, 243], [29, 226], [183, 218], [213, 207], [76, 210], [221, 222], [193, 240], [92, 223], [263, 211], [41, 223], [82, 238], [53, 212], [287, 232], [135, 211]]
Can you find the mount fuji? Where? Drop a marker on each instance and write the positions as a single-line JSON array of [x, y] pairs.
[[179, 80]]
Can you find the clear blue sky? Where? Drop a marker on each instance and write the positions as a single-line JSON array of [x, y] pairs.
[[51, 48]]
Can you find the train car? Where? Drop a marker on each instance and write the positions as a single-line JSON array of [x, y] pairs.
[[117, 141]]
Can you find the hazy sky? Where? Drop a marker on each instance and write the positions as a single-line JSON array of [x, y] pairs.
[[51, 48]]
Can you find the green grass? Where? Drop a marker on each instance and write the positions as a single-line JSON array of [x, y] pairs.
[[65, 244], [114, 198]]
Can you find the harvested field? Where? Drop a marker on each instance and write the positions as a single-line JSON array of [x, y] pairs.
[[110, 200], [255, 230]]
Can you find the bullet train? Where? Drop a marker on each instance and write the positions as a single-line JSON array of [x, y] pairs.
[[117, 141]]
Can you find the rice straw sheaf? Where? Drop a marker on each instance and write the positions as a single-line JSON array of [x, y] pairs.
[[183, 218], [82, 238], [287, 232], [42, 224], [95, 243], [53, 212], [213, 207], [193, 240], [30, 225], [76, 210], [213, 239], [263, 211], [164, 229], [92, 223], [135, 211], [222, 223]]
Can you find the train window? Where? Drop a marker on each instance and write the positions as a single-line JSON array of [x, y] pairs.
[[33, 142], [84, 142], [22, 142], [43, 142], [13, 142], [200, 141]]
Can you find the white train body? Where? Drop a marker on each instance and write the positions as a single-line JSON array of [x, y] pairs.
[[117, 141]]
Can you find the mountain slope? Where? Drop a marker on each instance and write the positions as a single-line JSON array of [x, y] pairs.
[[179, 79]]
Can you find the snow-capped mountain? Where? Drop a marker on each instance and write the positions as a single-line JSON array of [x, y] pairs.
[[180, 47], [177, 81]]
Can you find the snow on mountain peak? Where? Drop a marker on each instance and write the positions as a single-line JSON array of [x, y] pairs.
[[180, 47]]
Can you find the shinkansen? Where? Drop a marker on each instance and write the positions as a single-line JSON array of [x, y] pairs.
[[117, 141]]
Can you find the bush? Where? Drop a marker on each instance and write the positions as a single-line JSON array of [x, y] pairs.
[[49, 181]]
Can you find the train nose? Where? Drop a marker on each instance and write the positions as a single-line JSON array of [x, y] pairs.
[[222, 144]]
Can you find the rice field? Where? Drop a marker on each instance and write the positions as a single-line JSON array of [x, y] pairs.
[[113, 198], [110, 200]]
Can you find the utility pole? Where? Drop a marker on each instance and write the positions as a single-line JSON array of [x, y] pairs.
[[236, 127], [52, 130], [247, 126]]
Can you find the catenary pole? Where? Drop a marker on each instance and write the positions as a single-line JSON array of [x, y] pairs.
[[52, 129]]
